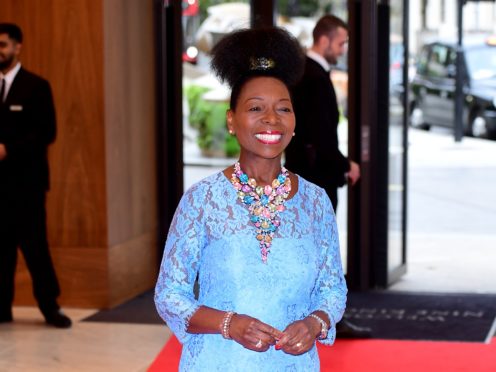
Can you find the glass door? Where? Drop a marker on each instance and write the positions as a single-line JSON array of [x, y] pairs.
[[299, 18], [397, 149], [377, 114]]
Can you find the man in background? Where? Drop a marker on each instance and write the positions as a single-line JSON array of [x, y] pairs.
[[314, 151], [27, 127]]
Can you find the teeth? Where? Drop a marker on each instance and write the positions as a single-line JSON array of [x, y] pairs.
[[268, 137]]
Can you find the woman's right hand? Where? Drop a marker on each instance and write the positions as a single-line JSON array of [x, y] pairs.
[[252, 333]]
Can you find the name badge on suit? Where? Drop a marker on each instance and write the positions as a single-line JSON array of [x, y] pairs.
[[16, 108]]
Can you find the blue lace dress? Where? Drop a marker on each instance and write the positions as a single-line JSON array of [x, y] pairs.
[[211, 236]]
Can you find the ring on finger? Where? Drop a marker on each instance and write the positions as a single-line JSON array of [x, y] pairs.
[[258, 345]]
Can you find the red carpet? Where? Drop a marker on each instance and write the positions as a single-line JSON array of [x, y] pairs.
[[380, 356]]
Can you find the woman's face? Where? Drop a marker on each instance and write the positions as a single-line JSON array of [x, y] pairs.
[[263, 119]]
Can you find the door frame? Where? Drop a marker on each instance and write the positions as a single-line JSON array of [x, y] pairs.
[[368, 127], [368, 206]]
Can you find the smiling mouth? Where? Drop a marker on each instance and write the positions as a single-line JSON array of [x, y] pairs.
[[269, 137]]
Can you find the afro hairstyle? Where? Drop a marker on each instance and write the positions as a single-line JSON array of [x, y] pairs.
[[274, 51]]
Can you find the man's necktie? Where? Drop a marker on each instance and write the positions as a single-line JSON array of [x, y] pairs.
[[2, 91]]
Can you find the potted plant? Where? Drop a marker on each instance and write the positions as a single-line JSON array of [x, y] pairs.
[[209, 118]]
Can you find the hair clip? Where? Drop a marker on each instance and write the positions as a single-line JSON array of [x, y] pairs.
[[261, 63]]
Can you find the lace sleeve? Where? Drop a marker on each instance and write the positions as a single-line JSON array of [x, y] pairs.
[[174, 297], [329, 294]]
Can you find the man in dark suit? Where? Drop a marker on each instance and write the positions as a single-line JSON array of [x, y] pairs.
[[314, 151], [27, 127]]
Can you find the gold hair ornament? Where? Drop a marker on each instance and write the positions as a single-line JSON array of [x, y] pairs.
[[261, 63]]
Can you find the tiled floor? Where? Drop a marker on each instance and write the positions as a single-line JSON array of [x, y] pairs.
[[28, 345]]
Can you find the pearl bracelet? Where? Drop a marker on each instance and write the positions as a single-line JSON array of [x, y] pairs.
[[324, 327], [226, 322]]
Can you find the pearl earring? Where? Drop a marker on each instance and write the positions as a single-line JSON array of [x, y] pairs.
[[294, 134]]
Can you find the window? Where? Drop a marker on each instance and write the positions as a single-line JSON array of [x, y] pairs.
[[422, 61], [439, 61], [482, 63]]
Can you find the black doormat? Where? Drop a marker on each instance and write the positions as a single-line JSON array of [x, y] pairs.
[[140, 309], [414, 316], [391, 315]]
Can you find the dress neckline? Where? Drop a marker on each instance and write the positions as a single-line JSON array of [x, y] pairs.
[[289, 201]]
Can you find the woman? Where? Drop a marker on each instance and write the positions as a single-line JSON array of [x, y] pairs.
[[262, 240]]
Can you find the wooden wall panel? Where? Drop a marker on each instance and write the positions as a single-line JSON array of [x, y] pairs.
[[83, 277], [130, 118], [132, 268], [99, 58], [63, 42]]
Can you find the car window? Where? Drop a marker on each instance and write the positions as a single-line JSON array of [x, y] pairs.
[[481, 62], [439, 61], [422, 61], [452, 56]]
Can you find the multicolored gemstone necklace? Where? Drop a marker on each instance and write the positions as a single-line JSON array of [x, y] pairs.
[[264, 204]]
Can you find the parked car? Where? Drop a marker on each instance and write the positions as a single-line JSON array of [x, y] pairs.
[[433, 86]]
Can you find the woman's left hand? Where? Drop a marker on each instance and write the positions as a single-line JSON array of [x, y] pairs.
[[299, 337]]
